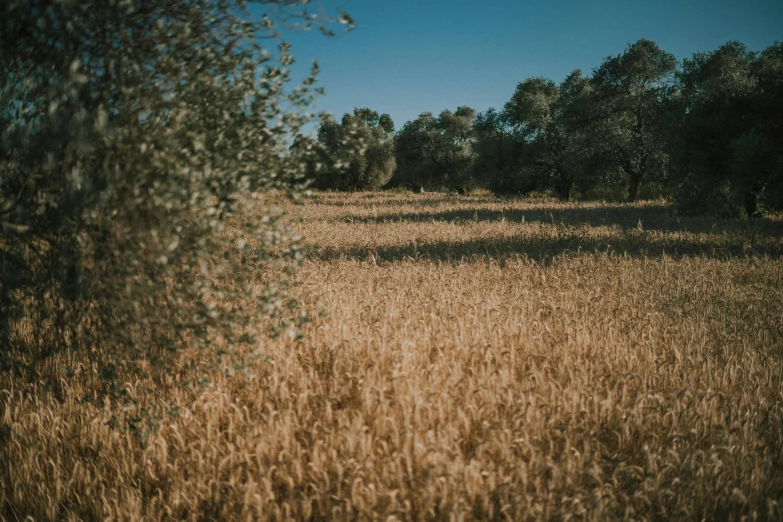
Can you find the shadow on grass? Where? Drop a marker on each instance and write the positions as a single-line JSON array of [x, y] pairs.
[[565, 241], [383, 200], [652, 217]]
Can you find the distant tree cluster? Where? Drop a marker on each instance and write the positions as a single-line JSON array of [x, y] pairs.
[[355, 154], [434, 151], [707, 130]]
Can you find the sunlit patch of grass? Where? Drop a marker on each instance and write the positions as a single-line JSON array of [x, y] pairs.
[[475, 358]]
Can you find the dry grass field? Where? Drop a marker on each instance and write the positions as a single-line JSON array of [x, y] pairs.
[[474, 358]]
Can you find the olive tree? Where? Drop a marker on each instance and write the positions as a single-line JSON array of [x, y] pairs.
[[358, 152], [435, 152], [629, 89], [761, 151], [500, 156], [549, 120], [132, 132], [729, 139]]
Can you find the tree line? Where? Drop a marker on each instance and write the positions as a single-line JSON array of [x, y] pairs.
[[706, 131]]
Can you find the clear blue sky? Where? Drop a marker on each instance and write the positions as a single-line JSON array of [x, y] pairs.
[[410, 56]]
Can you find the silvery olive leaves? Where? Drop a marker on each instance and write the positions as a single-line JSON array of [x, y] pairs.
[[135, 138]]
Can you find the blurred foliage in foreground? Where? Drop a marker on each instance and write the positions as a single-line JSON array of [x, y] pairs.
[[129, 130]]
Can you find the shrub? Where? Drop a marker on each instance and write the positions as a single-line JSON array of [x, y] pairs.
[[694, 197], [131, 134]]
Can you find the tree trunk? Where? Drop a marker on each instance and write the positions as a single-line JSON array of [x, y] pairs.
[[751, 203], [633, 187], [563, 184], [563, 191]]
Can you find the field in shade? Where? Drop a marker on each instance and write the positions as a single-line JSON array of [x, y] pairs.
[[467, 357]]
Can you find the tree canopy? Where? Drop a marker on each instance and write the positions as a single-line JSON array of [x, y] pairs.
[[730, 128], [358, 152], [435, 152]]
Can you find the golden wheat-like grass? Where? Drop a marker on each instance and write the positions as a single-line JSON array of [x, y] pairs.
[[476, 358]]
